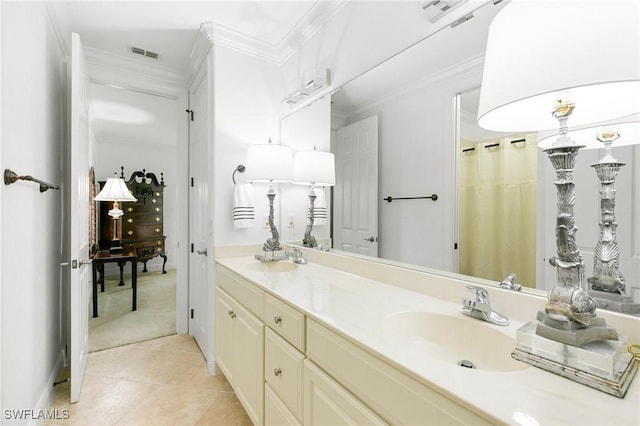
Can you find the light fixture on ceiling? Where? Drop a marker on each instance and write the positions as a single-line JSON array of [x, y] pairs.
[[310, 87], [544, 57], [115, 190], [437, 9], [270, 163]]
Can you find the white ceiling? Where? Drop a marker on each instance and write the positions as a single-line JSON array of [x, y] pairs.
[[170, 27]]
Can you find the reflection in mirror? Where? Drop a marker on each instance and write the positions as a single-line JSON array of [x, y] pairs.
[[497, 177]]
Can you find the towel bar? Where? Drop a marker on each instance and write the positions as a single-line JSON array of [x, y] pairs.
[[389, 199], [11, 177]]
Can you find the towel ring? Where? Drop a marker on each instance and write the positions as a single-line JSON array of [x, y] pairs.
[[240, 169]]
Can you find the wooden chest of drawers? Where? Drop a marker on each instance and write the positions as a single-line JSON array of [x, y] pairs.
[[142, 223]]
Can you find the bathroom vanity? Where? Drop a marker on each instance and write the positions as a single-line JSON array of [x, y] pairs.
[[345, 340]]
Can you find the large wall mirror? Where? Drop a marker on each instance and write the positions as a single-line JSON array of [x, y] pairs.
[[496, 202]]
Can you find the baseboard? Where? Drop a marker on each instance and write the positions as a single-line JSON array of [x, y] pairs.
[[214, 370], [46, 396]]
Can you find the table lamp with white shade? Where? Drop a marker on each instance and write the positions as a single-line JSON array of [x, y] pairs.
[[313, 168], [607, 284], [550, 64], [115, 189], [270, 163]]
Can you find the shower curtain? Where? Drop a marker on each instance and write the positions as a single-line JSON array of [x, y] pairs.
[[497, 216]]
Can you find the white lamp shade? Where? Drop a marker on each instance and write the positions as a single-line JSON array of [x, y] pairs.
[[115, 189], [269, 162], [541, 50], [315, 167], [627, 127]]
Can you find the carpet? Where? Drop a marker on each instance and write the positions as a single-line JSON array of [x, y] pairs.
[[154, 317]]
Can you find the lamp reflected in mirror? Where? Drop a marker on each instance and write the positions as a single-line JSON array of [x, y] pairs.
[[115, 190], [315, 169]]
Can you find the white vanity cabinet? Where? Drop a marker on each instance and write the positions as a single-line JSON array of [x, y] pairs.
[[288, 368], [240, 350]]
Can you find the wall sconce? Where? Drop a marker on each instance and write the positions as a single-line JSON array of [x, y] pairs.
[[313, 168], [542, 58], [311, 86], [115, 189], [270, 163]]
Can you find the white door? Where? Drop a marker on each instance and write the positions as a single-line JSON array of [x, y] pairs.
[[355, 209], [198, 217], [78, 211]]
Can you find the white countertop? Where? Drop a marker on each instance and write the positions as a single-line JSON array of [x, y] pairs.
[[356, 307]]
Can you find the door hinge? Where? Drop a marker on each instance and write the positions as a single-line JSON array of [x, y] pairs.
[[192, 314], [190, 112], [192, 182], [191, 247]]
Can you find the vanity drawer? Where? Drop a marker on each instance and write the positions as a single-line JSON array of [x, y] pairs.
[[283, 365], [285, 320], [247, 294]]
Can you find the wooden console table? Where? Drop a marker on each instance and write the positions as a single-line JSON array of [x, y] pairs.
[[102, 257]]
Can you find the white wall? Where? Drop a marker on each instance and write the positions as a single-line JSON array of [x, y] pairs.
[[33, 116], [246, 111]]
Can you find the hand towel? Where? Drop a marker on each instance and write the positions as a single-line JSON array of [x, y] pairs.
[[319, 208], [243, 209]]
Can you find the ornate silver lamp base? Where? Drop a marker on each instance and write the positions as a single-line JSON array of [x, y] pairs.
[[604, 365], [272, 244], [568, 338]]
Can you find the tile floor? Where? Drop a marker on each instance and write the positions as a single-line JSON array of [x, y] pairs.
[[163, 381]]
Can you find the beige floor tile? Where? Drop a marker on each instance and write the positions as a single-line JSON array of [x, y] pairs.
[[171, 405], [161, 382], [226, 410]]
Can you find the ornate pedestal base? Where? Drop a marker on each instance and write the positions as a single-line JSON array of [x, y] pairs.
[[602, 365], [270, 256], [615, 302], [573, 333]]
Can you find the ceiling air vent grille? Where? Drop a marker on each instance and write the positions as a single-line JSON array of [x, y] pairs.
[[143, 52]]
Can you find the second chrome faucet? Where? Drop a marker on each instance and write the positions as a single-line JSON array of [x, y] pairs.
[[478, 306]]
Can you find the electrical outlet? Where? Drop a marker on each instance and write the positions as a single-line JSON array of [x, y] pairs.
[[292, 222]]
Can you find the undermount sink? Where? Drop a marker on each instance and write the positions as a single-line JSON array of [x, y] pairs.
[[455, 340], [279, 266]]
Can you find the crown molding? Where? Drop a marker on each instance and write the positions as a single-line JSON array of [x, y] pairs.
[[460, 70], [309, 25]]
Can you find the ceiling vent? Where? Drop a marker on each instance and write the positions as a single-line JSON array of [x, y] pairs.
[[143, 52]]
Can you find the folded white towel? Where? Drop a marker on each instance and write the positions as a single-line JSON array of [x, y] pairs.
[[319, 208], [243, 209]]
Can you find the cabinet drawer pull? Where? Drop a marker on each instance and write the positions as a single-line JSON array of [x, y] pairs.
[[130, 209], [157, 230], [153, 200], [277, 372], [157, 194], [130, 232], [130, 220], [158, 209], [232, 314], [157, 219], [277, 319]]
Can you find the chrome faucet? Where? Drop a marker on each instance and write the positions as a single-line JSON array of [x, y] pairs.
[[478, 306], [296, 256], [508, 283]]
